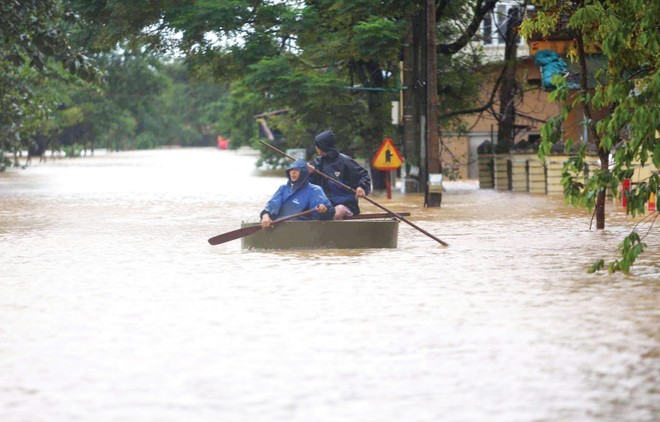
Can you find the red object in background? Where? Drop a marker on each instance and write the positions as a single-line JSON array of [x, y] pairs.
[[625, 188], [223, 143]]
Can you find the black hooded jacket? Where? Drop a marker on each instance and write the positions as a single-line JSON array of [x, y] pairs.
[[341, 167]]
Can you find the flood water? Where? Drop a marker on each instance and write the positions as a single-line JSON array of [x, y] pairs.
[[113, 306]]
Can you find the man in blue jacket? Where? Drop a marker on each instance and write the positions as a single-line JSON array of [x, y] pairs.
[[296, 196], [343, 168]]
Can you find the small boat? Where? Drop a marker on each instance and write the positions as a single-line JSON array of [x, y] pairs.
[[358, 233]]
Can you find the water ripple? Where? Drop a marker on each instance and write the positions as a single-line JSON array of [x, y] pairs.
[[114, 307]]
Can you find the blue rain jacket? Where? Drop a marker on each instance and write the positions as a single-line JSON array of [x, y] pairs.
[[293, 198]]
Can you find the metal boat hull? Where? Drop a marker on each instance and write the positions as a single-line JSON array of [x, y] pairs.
[[345, 234]]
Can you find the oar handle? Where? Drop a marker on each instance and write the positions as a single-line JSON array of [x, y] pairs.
[[397, 216], [291, 217], [373, 216], [319, 172]]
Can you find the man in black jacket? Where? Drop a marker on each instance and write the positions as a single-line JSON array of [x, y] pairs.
[[343, 168]]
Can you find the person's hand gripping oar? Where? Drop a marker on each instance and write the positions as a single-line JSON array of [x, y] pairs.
[[395, 215]]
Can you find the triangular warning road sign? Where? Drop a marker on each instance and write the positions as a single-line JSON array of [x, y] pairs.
[[387, 157]]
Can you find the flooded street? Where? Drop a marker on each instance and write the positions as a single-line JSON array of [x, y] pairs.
[[113, 306]]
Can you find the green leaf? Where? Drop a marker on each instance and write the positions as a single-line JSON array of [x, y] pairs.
[[597, 266]]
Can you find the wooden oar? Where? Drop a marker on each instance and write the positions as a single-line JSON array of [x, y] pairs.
[[374, 215], [246, 231], [397, 216]]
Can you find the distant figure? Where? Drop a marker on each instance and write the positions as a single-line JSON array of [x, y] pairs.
[[342, 168], [223, 143], [296, 196]]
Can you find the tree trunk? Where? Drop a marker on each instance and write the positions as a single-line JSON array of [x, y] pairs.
[[603, 153], [600, 199], [507, 118]]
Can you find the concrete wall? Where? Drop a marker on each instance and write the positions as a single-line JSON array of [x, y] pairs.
[[524, 172], [520, 172], [501, 166], [537, 176], [486, 172], [554, 165]]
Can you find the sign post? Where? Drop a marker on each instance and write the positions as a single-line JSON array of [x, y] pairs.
[[387, 158]]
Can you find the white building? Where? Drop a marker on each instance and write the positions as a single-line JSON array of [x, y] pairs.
[[493, 27]]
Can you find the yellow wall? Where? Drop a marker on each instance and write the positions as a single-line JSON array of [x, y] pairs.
[[521, 172], [533, 106]]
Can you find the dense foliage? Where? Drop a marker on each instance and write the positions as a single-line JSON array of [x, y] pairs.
[[34, 50], [622, 110], [330, 64], [59, 93]]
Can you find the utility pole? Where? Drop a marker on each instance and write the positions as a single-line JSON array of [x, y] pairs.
[[433, 195], [414, 100], [420, 130]]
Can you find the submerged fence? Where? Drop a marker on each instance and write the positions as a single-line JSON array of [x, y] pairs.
[[525, 172]]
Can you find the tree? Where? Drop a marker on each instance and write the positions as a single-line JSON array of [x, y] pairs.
[[191, 105], [622, 110], [33, 44], [508, 89], [333, 64], [456, 23]]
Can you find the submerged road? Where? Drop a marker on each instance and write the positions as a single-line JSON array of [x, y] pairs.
[[113, 306]]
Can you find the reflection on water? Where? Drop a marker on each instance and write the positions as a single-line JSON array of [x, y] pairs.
[[113, 306]]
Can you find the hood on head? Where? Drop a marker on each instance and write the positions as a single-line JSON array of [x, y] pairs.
[[325, 141], [301, 165]]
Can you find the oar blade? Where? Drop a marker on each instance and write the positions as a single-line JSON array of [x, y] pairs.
[[245, 231], [233, 235]]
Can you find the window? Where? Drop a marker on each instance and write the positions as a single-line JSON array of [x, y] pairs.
[[501, 23], [494, 24], [487, 29]]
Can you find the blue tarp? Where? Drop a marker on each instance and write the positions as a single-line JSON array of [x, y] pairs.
[[551, 64]]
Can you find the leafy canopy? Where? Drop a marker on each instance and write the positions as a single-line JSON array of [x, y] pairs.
[[626, 97]]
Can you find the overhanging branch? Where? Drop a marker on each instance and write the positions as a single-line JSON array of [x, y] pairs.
[[483, 108], [481, 8]]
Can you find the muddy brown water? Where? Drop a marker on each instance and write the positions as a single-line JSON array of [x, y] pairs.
[[114, 307]]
